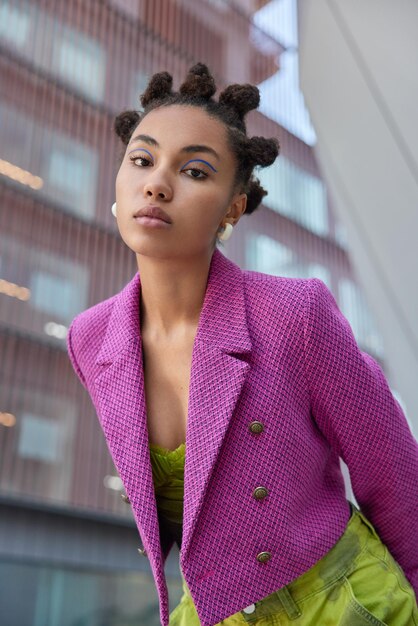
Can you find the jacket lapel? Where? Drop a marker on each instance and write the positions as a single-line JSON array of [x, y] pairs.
[[220, 365]]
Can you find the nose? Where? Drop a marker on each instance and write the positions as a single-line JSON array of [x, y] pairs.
[[157, 190]]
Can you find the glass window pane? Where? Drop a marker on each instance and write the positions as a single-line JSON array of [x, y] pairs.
[[355, 309], [81, 61], [295, 193], [39, 438], [70, 171], [38, 595], [44, 462], [49, 44], [59, 287], [68, 168], [265, 254], [14, 24]]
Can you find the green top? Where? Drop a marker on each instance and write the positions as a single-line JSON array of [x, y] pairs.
[[168, 476]]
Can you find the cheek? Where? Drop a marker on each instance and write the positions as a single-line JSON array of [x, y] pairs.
[[119, 179], [123, 182], [118, 183], [207, 216]]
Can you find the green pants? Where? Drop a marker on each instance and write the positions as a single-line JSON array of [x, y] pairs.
[[357, 583]]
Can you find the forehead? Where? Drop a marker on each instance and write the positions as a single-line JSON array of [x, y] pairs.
[[180, 125]]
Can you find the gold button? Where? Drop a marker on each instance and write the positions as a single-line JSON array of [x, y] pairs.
[[256, 427], [125, 498], [263, 557], [142, 551], [260, 492]]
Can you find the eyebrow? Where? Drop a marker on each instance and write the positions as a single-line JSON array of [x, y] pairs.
[[192, 148]]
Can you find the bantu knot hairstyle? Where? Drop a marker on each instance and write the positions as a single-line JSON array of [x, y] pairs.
[[234, 102]]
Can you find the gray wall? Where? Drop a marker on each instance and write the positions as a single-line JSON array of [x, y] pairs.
[[358, 73]]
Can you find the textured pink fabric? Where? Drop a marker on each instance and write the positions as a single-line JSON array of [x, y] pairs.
[[272, 349]]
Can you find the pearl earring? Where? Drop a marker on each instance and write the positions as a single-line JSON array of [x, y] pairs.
[[114, 209], [226, 233]]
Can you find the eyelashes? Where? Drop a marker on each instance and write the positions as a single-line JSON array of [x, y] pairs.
[[193, 169]]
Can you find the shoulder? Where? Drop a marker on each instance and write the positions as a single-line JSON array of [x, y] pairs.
[[295, 292], [91, 322], [85, 336], [295, 306], [270, 291]]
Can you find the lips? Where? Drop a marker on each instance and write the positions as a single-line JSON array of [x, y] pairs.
[[152, 210]]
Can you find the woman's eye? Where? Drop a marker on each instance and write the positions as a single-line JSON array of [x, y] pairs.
[[138, 158], [194, 169]]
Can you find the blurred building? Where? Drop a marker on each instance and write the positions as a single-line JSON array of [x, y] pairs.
[[68, 542]]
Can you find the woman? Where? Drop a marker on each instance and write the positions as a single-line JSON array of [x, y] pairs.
[[259, 377]]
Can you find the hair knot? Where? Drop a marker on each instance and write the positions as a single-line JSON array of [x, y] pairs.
[[255, 194], [199, 82], [263, 151], [159, 87], [124, 124], [242, 98]]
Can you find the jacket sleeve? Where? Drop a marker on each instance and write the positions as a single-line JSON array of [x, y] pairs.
[[72, 356], [353, 406]]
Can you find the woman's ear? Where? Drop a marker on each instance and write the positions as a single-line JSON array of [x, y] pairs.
[[237, 206]]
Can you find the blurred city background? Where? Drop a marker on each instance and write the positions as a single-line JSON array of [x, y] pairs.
[[338, 85]]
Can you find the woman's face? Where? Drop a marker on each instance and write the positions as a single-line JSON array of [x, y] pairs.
[[181, 163]]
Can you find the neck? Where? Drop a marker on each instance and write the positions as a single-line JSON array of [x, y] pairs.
[[172, 294]]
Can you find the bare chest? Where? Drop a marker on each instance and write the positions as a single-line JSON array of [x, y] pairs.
[[167, 378]]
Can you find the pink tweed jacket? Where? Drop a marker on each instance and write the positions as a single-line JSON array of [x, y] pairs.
[[276, 350]]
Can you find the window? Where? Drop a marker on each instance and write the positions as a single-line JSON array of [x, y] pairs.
[[355, 309], [14, 24], [316, 270], [81, 61], [39, 438], [65, 170], [59, 286], [53, 294], [71, 170], [70, 595], [265, 254], [48, 43], [295, 193], [42, 455], [68, 168], [341, 236], [281, 97]]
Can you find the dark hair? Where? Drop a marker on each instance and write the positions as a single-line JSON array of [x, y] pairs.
[[233, 104]]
